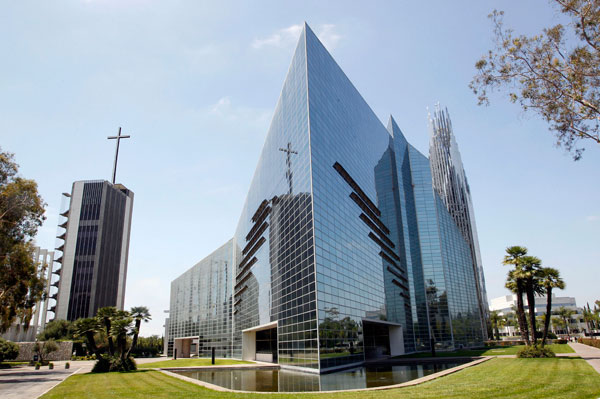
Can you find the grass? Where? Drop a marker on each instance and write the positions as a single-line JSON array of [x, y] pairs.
[[509, 378], [190, 363], [10, 363], [499, 350]]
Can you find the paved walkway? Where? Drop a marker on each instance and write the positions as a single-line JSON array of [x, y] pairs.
[[589, 353], [29, 383]]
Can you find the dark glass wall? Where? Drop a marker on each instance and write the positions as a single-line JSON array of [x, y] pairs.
[[98, 249], [85, 252], [109, 254]]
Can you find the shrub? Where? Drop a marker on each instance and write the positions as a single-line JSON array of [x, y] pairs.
[[108, 363], [51, 366], [560, 341], [551, 335], [589, 341], [43, 350], [535, 352], [38, 365], [87, 357], [8, 350], [67, 365]]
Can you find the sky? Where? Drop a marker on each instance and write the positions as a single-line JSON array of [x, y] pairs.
[[195, 84]]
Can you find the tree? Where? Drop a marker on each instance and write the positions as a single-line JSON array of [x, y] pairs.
[[43, 350], [530, 269], [556, 80], [8, 350], [57, 330], [549, 279], [590, 318], [117, 324], [497, 322], [87, 328], [105, 316], [139, 314], [565, 315], [21, 213], [516, 283], [119, 329]]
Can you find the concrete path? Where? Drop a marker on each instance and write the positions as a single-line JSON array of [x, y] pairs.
[[589, 353], [29, 383]]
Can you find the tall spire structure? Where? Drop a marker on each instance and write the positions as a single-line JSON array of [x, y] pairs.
[[118, 138], [451, 184]]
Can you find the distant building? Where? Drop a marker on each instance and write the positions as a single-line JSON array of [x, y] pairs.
[[344, 251], [95, 247], [506, 304], [20, 333]]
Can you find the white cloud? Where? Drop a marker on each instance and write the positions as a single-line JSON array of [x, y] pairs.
[[328, 36], [283, 38], [592, 218], [287, 37]]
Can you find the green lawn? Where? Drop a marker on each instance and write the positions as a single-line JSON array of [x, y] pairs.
[[507, 378], [499, 350], [190, 363], [8, 364]]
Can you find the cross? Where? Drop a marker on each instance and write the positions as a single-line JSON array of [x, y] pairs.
[[118, 138], [288, 162]]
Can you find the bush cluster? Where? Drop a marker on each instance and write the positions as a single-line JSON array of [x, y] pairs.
[[492, 343], [8, 350], [108, 363], [86, 357], [535, 352], [589, 341]]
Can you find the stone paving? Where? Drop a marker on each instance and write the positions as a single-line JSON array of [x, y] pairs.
[[589, 353], [26, 382]]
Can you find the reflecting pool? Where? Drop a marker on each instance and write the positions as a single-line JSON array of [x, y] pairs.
[[291, 381]]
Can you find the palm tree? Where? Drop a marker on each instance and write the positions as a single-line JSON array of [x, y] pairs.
[[549, 279], [104, 316], [87, 328], [515, 283], [119, 329], [565, 315], [496, 320], [530, 267], [139, 314], [590, 318]]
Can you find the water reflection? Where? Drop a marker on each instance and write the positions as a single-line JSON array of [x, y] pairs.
[[290, 381]]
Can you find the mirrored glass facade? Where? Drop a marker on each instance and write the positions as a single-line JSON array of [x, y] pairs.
[[201, 304], [344, 252], [451, 183]]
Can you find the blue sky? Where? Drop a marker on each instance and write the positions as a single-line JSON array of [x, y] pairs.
[[195, 84]]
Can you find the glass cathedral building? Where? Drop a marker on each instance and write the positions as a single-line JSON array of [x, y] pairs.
[[344, 251]]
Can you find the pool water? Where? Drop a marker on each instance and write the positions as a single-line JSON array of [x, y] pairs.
[[291, 381]]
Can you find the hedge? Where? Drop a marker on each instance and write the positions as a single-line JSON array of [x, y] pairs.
[[589, 341]]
